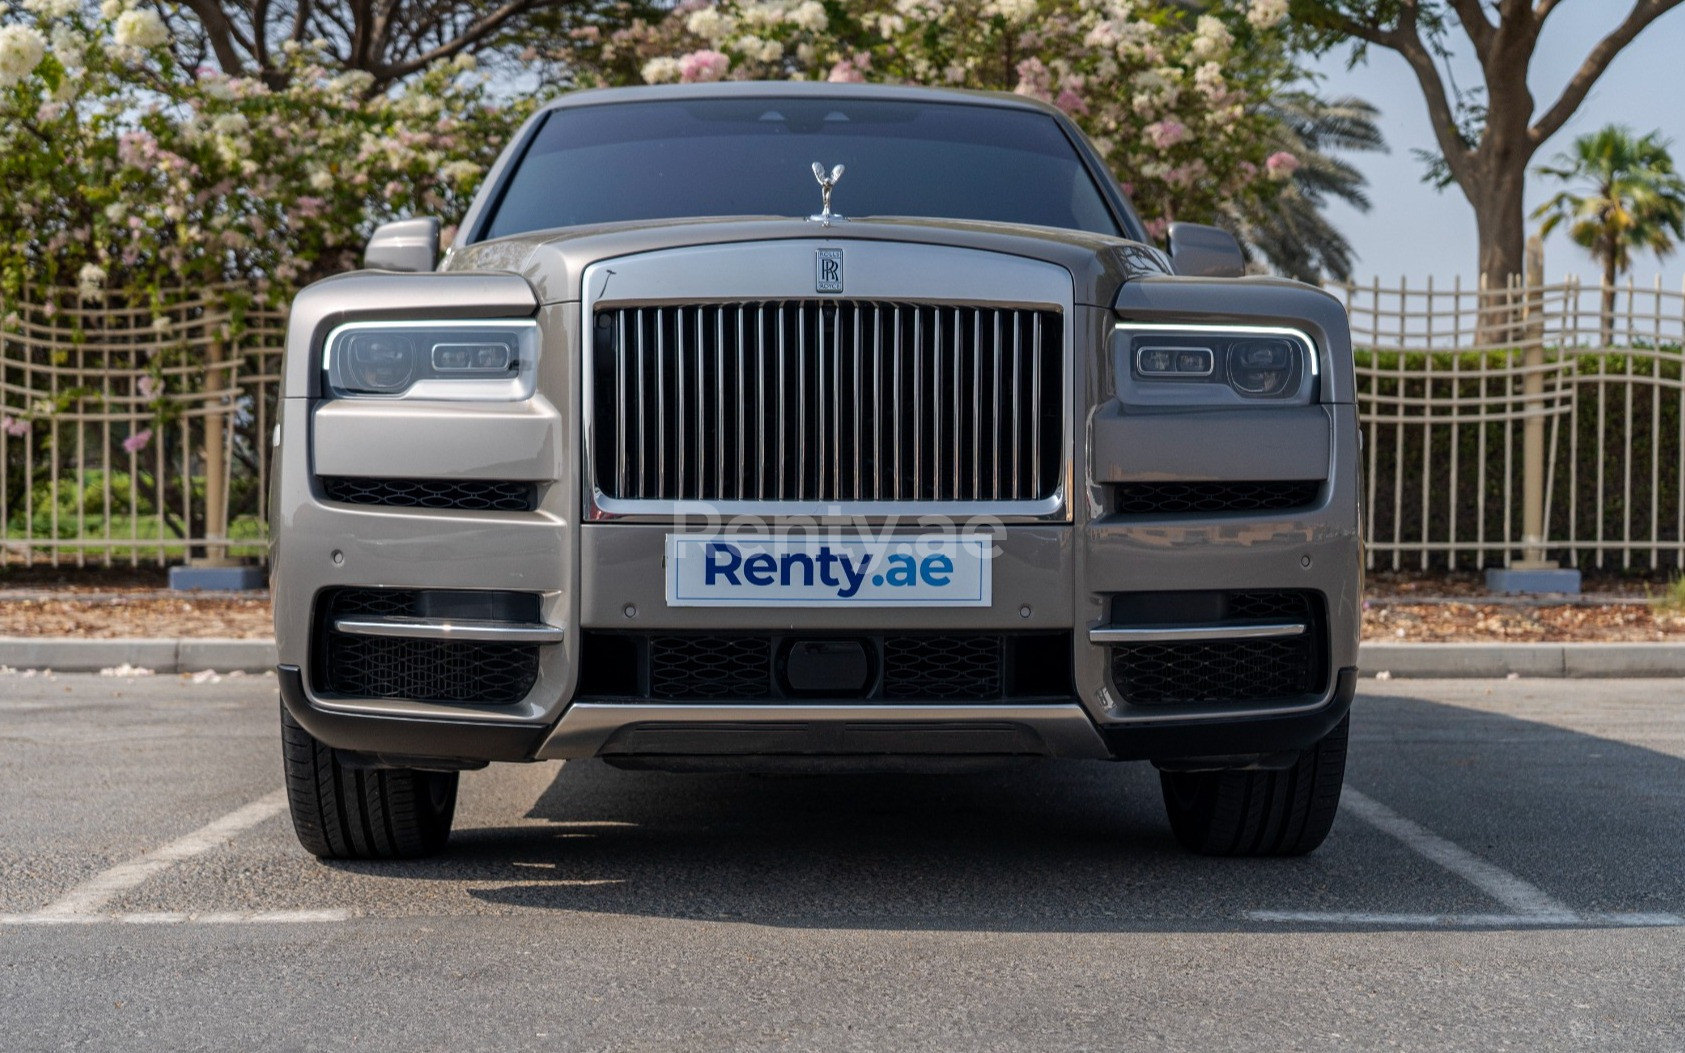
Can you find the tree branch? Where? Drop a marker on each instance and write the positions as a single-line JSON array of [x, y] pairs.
[[471, 35], [1479, 30], [224, 36], [1579, 86]]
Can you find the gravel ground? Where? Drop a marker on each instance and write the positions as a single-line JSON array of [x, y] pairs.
[[1442, 608]]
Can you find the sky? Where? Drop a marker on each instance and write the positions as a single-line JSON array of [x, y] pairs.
[[1414, 231]]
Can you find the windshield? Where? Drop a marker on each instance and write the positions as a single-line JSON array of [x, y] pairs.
[[754, 156]]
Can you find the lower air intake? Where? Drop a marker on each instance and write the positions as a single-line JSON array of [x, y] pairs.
[[421, 670]]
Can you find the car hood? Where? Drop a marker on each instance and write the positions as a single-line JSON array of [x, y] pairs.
[[553, 261]]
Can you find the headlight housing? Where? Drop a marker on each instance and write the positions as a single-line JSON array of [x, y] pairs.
[[1213, 365], [481, 361]]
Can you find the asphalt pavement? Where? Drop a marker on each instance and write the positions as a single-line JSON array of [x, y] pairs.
[[1508, 871]]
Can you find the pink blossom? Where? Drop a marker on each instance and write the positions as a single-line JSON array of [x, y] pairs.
[[1071, 102], [1166, 133], [702, 66], [149, 387], [137, 442], [845, 72], [1281, 165], [16, 427], [1034, 80], [1156, 228]]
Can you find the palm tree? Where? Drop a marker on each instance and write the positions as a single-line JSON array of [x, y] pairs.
[[1292, 233], [1633, 199]]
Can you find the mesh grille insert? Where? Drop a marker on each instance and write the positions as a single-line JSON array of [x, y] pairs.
[[468, 494], [710, 667], [930, 667], [1170, 673], [1185, 498], [941, 667], [423, 670]]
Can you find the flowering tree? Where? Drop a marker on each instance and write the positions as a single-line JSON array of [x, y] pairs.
[[1170, 97], [122, 170], [117, 165]]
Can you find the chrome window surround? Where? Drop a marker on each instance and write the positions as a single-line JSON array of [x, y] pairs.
[[918, 274]]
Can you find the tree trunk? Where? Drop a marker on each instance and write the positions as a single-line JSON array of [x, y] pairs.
[[1606, 320], [1500, 220]]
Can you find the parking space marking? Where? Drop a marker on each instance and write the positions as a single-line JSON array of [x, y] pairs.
[[227, 917], [1467, 921], [90, 897], [1529, 905], [1519, 896]]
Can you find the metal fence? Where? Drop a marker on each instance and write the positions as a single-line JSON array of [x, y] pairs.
[[1499, 425], [134, 429], [1452, 384]]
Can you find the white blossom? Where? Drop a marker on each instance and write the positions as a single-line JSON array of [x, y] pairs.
[[110, 9], [709, 24], [69, 47], [1014, 11], [90, 280], [808, 15], [21, 50], [1212, 39], [1266, 14], [662, 70], [52, 9], [459, 172], [140, 29]]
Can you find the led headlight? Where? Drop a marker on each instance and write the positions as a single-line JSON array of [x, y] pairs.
[[479, 361], [1213, 365]]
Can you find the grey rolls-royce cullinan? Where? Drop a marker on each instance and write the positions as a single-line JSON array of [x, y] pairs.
[[813, 427]]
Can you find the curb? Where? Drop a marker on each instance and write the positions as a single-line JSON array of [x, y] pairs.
[[1404, 661], [73, 655], [1477, 660]]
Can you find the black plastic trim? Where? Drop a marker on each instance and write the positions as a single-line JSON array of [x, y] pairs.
[[460, 740], [1182, 741]]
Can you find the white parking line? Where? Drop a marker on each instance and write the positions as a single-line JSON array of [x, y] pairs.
[[1520, 897], [1528, 904], [86, 900], [229, 917]]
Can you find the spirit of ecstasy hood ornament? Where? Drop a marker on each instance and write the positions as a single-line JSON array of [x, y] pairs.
[[825, 215]]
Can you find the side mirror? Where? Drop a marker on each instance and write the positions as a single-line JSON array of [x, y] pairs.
[[1198, 251], [406, 245]]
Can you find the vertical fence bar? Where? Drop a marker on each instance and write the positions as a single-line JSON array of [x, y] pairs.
[[1453, 498], [1656, 431], [1485, 427], [1574, 429], [1399, 391], [1427, 423], [1626, 462], [1374, 425]]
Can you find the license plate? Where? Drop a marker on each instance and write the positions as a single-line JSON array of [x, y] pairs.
[[792, 571]]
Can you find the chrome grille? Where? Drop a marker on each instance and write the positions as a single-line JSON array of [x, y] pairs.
[[827, 401]]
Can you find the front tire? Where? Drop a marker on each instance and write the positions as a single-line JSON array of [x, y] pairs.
[[352, 813], [1260, 813]]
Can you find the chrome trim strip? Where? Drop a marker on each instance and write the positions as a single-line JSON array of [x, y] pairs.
[[456, 630], [586, 726], [1185, 633]]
